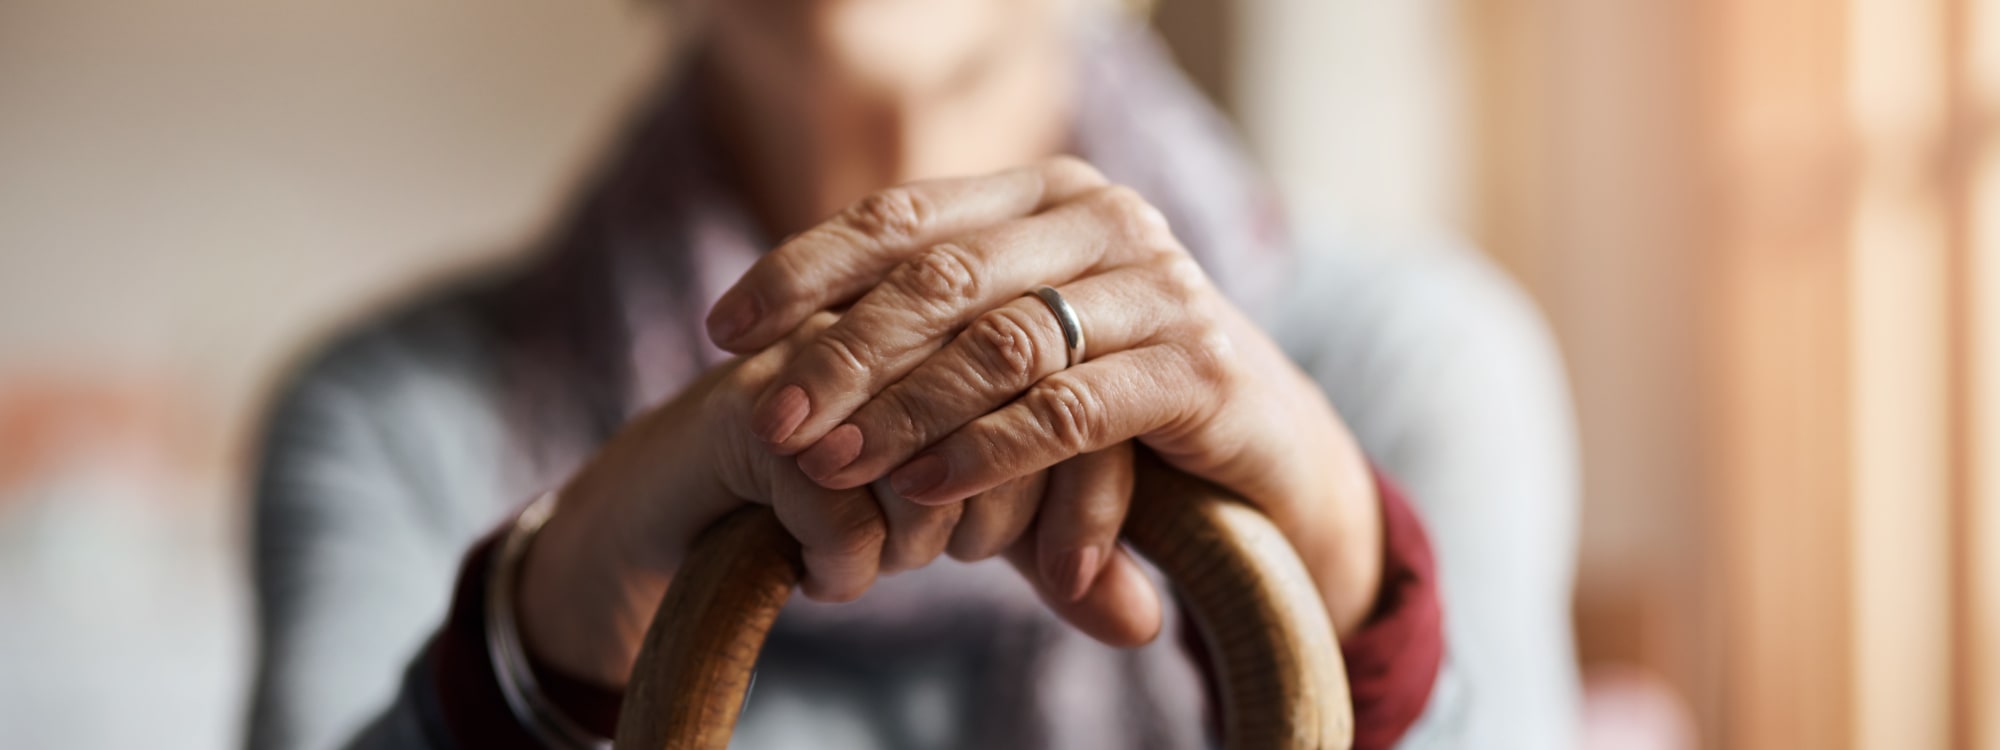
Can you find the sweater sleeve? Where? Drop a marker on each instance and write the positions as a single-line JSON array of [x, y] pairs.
[[471, 710], [1393, 660], [349, 579], [375, 473]]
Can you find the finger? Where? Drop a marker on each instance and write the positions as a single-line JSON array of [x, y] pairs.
[[995, 359], [1122, 609], [760, 367], [745, 468], [1076, 529], [921, 303], [841, 258], [995, 519], [917, 533], [1125, 395], [841, 534]]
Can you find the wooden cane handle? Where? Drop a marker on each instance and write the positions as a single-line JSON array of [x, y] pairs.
[[1279, 667]]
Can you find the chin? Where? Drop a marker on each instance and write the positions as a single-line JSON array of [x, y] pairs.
[[893, 43]]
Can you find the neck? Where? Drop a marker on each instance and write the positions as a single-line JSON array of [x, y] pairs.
[[812, 127]]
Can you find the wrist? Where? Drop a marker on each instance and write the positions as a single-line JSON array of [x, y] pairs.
[[582, 610], [514, 671], [1330, 509], [1341, 542], [592, 579]]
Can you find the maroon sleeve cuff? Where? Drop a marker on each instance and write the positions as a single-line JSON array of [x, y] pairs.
[[1394, 658], [469, 700]]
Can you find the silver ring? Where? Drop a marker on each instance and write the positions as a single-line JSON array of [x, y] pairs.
[[1072, 326]]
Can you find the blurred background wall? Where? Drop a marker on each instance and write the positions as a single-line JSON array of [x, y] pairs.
[[189, 192], [1762, 229]]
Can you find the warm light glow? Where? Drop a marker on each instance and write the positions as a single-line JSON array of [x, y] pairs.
[[1984, 328], [1901, 602]]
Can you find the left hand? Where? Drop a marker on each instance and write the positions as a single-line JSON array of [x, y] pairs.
[[943, 377]]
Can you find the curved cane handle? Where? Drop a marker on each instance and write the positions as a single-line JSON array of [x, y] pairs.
[[1283, 683]]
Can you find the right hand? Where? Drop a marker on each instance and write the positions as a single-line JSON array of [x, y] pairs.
[[596, 573]]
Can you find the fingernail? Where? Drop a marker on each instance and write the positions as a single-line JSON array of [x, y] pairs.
[[918, 477], [781, 416], [731, 318], [1079, 570], [832, 453]]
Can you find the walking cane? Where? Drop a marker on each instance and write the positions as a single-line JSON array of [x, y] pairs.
[[1276, 660]]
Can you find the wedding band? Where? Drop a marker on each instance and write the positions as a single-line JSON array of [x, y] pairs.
[[1072, 326]]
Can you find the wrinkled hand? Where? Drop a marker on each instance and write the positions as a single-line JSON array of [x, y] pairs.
[[942, 378], [593, 577], [849, 535]]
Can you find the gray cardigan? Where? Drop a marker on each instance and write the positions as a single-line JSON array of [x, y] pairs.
[[385, 458]]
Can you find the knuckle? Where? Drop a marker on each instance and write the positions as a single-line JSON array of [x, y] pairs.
[[942, 275], [1184, 282], [1005, 348], [896, 415], [927, 536], [1122, 198], [816, 323], [974, 540], [781, 279], [976, 547], [1072, 413], [1135, 218], [894, 214], [1211, 355], [859, 531], [843, 351], [1070, 170]]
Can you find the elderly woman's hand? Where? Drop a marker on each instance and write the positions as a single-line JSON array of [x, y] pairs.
[[944, 378], [595, 574], [850, 535]]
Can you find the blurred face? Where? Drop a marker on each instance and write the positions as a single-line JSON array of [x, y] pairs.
[[898, 44]]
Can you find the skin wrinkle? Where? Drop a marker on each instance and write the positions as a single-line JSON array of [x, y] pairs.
[[1074, 409], [910, 420], [942, 279], [1013, 355], [943, 308], [992, 521], [891, 216], [963, 260], [917, 534]]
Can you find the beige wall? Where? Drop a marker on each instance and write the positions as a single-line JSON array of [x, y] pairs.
[[1587, 185], [187, 189], [1360, 110]]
